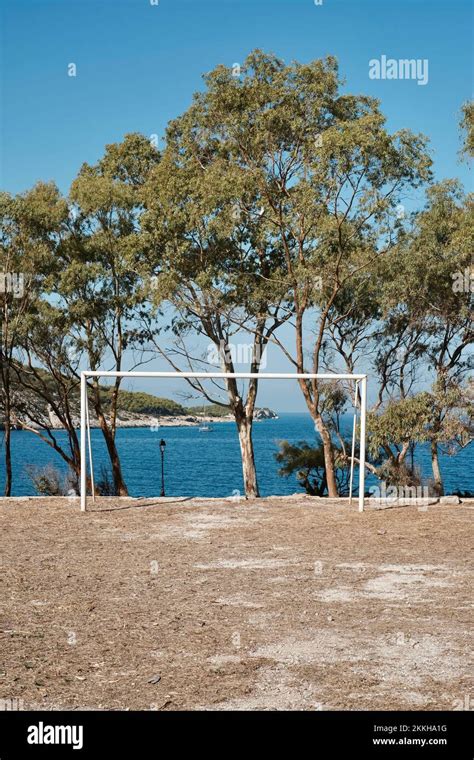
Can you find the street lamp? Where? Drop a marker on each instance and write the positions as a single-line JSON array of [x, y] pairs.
[[162, 450]]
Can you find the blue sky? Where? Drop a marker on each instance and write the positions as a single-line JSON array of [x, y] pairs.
[[138, 65]]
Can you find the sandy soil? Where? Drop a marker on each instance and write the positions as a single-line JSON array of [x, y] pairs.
[[275, 604]]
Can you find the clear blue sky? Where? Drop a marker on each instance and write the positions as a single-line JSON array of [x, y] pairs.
[[138, 65]]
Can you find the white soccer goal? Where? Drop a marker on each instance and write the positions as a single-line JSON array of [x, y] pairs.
[[360, 380]]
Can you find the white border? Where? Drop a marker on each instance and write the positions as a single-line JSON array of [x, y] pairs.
[[223, 375]]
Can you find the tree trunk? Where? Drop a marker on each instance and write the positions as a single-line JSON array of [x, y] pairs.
[[109, 436], [438, 480], [7, 443], [248, 459], [328, 449], [5, 363], [7, 428], [119, 483]]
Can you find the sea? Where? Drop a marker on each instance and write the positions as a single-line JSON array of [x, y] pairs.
[[207, 463]]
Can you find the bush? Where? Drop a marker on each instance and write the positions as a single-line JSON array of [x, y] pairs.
[[307, 463], [105, 485], [48, 481]]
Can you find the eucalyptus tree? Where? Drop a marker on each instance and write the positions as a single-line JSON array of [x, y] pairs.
[[30, 224], [337, 214], [325, 175], [319, 173], [431, 291], [98, 284], [45, 380], [417, 337], [213, 258]]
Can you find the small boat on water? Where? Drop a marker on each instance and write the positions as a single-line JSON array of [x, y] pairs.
[[205, 427]]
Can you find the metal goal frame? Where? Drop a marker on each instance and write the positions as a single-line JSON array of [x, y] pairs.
[[360, 380]]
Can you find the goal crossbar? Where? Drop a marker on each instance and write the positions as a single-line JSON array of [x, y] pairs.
[[361, 383]]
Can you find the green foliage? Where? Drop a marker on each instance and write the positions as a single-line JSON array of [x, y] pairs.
[[252, 192], [420, 275], [402, 422], [443, 416], [211, 410], [467, 124], [137, 402], [97, 269], [307, 463]]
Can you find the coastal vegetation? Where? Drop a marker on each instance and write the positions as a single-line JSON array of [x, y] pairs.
[[130, 402], [273, 214]]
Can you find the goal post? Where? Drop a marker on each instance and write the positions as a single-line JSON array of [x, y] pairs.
[[361, 381]]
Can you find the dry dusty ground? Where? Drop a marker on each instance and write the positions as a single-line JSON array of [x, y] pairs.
[[275, 604]]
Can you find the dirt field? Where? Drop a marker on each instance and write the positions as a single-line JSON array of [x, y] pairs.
[[276, 604]]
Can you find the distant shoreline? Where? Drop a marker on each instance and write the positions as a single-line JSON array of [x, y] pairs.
[[128, 420]]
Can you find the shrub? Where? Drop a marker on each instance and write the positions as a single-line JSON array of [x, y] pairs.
[[48, 481], [105, 485]]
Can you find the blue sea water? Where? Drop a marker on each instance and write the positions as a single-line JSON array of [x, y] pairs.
[[206, 464]]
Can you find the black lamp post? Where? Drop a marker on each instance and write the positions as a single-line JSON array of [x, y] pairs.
[[162, 450]]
